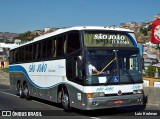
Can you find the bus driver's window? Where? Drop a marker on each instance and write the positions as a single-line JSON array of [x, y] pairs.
[[79, 66]]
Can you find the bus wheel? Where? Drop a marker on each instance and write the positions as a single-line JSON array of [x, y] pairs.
[[21, 92], [65, 101], [18, 88], [59, 100], [26, 92]]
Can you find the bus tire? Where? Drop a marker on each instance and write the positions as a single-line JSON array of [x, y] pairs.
[[18, 88], [21, 92], [65, 100], [59, 97], [26, 92]]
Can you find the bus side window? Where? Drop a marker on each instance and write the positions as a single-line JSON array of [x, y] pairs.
[[30, 52], [34, 52], [73, 42], [75, 71], [79, 67], [20, 55], [11, 57], [39, 50], [60, 46], [44, 48], [54, 47], [49, 48], [16, 56]]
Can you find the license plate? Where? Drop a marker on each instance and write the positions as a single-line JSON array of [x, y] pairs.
[[118, 101]]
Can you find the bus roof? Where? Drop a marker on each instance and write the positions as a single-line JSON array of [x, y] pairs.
[[63, 30]]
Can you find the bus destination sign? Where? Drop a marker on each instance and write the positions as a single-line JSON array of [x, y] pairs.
[[107, 40]]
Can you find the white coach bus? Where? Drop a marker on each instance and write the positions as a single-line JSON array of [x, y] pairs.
[[82, 67]]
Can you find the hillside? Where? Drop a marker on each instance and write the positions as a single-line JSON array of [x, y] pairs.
[[30, 35], [142, 31], [7, 34]]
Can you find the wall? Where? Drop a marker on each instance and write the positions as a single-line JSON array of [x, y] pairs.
[[151, 81]]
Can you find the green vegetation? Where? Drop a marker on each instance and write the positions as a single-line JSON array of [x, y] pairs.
[[145, 31], [151, 70], [144, 34], [27, 36]]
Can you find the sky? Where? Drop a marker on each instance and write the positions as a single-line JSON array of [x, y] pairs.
[[19, 16]]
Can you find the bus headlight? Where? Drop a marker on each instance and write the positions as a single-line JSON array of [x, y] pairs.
[[94, 95], [138, 91]]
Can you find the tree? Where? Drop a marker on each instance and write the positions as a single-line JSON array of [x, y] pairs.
[[27, 36], [150, 71]]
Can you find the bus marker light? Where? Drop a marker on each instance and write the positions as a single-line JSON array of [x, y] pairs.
[[89, 95], [94, 103]]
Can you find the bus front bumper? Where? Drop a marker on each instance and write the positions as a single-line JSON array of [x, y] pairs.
[[113, 101]]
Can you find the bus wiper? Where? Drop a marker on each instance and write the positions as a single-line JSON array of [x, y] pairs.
[[108, 64]]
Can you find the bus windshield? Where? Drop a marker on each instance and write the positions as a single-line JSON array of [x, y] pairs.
[[113, 66]]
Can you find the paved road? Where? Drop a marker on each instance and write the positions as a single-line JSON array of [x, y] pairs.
[[10, 101]]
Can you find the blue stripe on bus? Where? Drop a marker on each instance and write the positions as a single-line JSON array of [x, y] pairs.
[[19, 68], [133, 40]]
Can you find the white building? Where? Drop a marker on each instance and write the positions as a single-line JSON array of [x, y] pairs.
[[4, 52]]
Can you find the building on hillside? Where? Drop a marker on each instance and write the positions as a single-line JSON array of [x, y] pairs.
[[149, 54], [4, 53]]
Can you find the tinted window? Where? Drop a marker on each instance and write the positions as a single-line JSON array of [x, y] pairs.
[[60, 46], [11, 57], [16, 55], [21, 54], [44, 48], [73, 42], [39, 50], [49, 48], [30, 52], [35, 54]]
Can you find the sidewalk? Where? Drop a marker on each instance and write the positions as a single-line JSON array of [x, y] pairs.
[[4, 78]]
